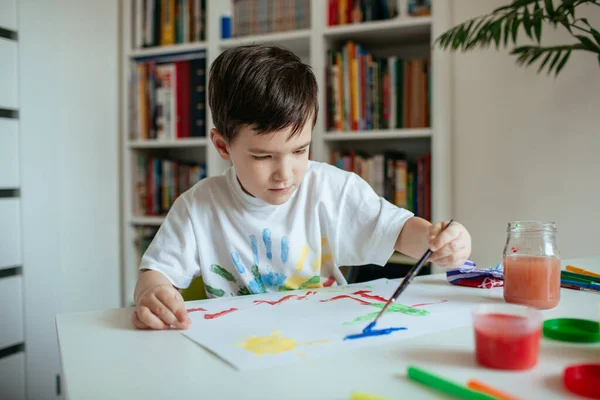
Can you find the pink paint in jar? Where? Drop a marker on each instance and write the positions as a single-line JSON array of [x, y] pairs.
[[531, 264]]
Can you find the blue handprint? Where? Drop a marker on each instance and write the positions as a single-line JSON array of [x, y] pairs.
[[265, 278]]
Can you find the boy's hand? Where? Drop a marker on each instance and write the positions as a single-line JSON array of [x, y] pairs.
[[160, 307], [451, 246]]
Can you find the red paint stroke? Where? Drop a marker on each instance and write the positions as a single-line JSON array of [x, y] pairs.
[[281, 300], [345, 296], [514, 250], [195, 309], [219, 314], [366, 295], [428, 304], [329, 281], [305, 295]]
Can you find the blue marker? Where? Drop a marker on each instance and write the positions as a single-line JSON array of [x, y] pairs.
[[586, 285]]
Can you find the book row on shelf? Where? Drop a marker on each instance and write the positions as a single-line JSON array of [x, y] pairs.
[[402, 181], [255, 17], [341, 12], [167, 22], [167, 97], [159, 182], [365, 92]]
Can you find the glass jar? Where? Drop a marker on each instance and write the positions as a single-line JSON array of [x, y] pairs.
[[531, 264]]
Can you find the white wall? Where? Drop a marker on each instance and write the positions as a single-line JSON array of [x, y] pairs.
[[68, 58], [525, 146]]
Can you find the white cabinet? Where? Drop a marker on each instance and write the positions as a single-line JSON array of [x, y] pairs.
[[9, 153], [10, 233], [11, 311]]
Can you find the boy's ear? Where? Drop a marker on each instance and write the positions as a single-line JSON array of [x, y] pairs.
[[220, 144]]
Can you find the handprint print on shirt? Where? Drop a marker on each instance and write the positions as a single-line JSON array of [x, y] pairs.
[[299, 280], [261, 277]]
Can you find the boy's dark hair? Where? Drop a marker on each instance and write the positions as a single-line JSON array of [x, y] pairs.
[[266, 87]]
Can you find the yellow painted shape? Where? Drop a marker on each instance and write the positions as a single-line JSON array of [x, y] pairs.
[[315, 342], [302, 259], [273, 344], [295, 281]]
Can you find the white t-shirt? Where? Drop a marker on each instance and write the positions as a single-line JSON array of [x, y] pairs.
[[240, 245]]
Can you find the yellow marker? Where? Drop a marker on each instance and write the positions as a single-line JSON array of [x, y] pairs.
[[582, 271], [365, 396]]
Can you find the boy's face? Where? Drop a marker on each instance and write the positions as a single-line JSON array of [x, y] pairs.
[[269, 166]]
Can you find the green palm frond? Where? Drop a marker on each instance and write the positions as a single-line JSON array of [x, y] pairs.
[[501, 28]]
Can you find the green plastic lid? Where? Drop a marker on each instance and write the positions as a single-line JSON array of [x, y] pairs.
[[572, 330]]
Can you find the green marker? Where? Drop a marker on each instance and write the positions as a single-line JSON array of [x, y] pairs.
[[446, 386]]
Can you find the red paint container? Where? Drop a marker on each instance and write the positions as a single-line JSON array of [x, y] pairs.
[[507, 336]]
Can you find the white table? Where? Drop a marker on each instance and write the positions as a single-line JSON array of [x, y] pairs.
[[103, 357]]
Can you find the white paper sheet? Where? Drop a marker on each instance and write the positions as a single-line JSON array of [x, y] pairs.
[[309, 323]]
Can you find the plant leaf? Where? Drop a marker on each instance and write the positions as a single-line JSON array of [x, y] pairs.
[[527, 23], [587, 42], [537, 22], [549, 8], [515, 28], [562, 62], [596, 35], [554, 60], [536, 54], [507, 25], [544, 62], [497, 31]]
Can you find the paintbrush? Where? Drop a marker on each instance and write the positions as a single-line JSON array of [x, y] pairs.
[[404, 284]]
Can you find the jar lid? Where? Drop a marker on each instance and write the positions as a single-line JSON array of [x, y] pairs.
[[582, 379], [572, 330]]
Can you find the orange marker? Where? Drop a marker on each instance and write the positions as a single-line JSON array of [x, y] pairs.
[[474, 384], [582, 271]]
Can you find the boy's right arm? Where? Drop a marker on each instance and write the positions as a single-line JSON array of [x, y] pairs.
[[158, 304], [170, 262]]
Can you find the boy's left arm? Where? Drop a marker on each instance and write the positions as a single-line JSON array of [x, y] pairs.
[[450, 247]]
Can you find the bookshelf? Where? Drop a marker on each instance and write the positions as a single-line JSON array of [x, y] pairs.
[[403, 36]]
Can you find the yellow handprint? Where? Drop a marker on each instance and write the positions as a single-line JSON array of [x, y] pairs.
[[297, 281]]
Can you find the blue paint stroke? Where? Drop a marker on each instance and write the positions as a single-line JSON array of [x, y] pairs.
[[285, 249], [254, 249], [273, 279], [238, 264], [267, 239], [369, 331]]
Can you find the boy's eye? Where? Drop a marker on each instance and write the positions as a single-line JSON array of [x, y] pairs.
[[260, 157], [302, 151]]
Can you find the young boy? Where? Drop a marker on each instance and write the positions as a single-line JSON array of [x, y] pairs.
[[274, 220]]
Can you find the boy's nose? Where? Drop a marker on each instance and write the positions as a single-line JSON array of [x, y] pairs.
[[283, 173]]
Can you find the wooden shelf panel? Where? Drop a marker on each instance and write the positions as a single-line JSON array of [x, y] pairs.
[[154, 221], [297, 41], [166, 50], [378, 134], [382, 33], [158, 144]]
